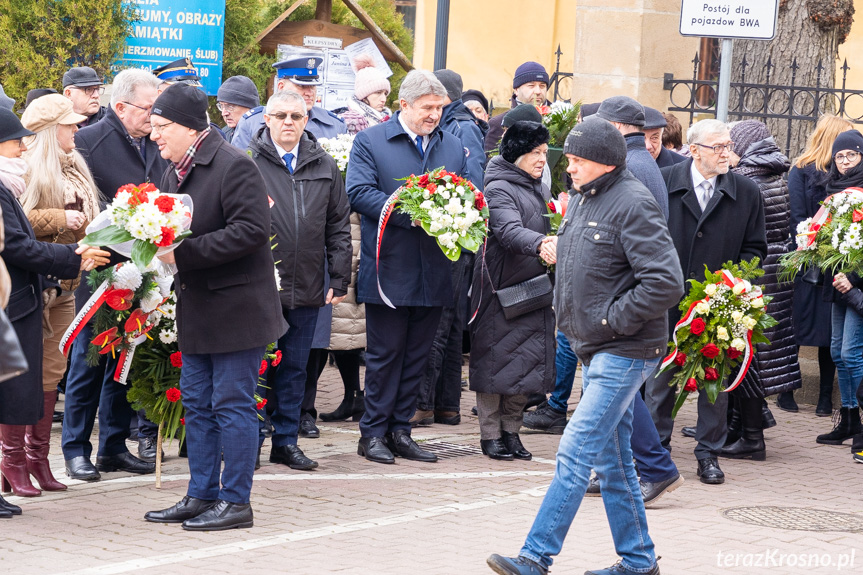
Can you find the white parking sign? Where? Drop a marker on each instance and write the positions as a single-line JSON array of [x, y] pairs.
[[746, 19]]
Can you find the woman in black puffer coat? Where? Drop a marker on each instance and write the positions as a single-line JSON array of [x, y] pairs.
[[774, 367], [511, 358]]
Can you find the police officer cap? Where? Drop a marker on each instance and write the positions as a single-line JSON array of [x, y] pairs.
[[302, 71], [179, 71]]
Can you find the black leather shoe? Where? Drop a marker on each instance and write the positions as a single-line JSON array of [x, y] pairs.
[[687, 431], [187, 508], [593, 489], [8, 507], [747, 447], [221, 516], [375, 449], [308, 427], [709, 472], [401, 445], [124, 462], [293, 457], [147, 449], [651, 492], [514, 446], [57, 417], [545, 418], [496, 449], [785, 402], [767, 419], [81, 468]]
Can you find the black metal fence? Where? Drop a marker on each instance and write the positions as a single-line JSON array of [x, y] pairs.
[[560, 83], [786, 103]]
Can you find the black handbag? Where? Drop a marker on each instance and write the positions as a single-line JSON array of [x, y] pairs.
[[12, 360], [525, 297]]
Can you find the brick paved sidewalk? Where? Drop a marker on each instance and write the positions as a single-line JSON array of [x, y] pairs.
[[352, 516]]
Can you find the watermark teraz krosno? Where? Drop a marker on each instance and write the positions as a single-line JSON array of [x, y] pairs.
[[776, 559]]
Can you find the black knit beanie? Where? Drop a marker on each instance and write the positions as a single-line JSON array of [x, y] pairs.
[[183, 104], [597, 140], [521, 113], [521, 138], [850, 140]]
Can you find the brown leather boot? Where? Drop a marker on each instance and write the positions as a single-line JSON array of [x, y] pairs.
[[37, 442], [13, 466]]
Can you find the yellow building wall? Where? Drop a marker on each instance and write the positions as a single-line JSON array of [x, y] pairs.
[[852, 50], [488, 39]]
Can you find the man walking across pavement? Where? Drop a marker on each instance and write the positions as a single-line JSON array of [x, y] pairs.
[[714, 216], [413, 271], [617, 273], [310, 224]]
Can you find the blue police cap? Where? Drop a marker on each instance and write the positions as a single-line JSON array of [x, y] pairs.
[[179, 71], [302, 71]]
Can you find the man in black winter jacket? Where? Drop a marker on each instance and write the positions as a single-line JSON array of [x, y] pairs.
[[310, 212]]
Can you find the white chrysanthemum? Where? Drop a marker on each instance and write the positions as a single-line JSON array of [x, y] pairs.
[[169, 310], [145, 223], [164, 283], [151, 300], [127, 276], [168, 336]]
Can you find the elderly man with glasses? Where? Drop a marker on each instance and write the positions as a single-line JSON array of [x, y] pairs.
[[83, 86], [714, 216]]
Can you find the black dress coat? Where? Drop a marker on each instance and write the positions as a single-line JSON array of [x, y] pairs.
[[33, 266], [731, 228], [226, 289], [515, 356], [811, 309]]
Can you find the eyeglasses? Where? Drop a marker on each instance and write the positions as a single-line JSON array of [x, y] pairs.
[[282, 116], [157, 128], [849, 157], [224, 107], [90, 90], [147, 109], [719, 148]]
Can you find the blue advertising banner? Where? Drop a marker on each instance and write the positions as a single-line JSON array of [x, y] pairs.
[[168, 30]]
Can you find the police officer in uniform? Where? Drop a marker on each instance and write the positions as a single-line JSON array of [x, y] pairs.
[[182, 71], [301, 76]]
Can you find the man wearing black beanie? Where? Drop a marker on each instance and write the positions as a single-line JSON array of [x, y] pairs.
[[617, 274], [224, 278]]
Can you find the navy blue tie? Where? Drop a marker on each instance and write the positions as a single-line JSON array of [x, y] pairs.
[[420, 146], [289, 159]]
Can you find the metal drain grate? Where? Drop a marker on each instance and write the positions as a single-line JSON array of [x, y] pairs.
[[796, 519], [445, 450]]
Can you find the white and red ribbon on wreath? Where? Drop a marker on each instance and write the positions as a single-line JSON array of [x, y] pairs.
[[386, 212], [729, 280], [821, 217]]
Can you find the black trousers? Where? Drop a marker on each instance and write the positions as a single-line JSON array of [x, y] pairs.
[[397, 351]]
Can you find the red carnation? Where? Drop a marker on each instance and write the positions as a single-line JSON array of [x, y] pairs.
[[138, 197], [697, 326], [261, 404], [857, 215], [733, 353], [182, 421], [710, 351], [431, 189], [691, 385], [544, 110], [167, 237], [680, 358], [164, 203], [148, 187], [119, 299], [278, 359], [177, 359], [263, 367], [173, 394], [551, 207], [710, 374], [127, 188]]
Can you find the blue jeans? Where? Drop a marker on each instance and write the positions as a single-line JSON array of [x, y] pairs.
[[565, 363], [598, 436], [846, 347], [221, 421], [290, 378]]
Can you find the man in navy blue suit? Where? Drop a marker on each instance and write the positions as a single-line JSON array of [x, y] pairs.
[[412, 270]]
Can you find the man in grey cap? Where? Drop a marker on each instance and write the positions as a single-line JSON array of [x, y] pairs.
[[83, 86], [301, 76], [627, 116], [654, 125], [236, 96], [615, 244]]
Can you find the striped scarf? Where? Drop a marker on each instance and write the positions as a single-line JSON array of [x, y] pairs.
[[185, 164]]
